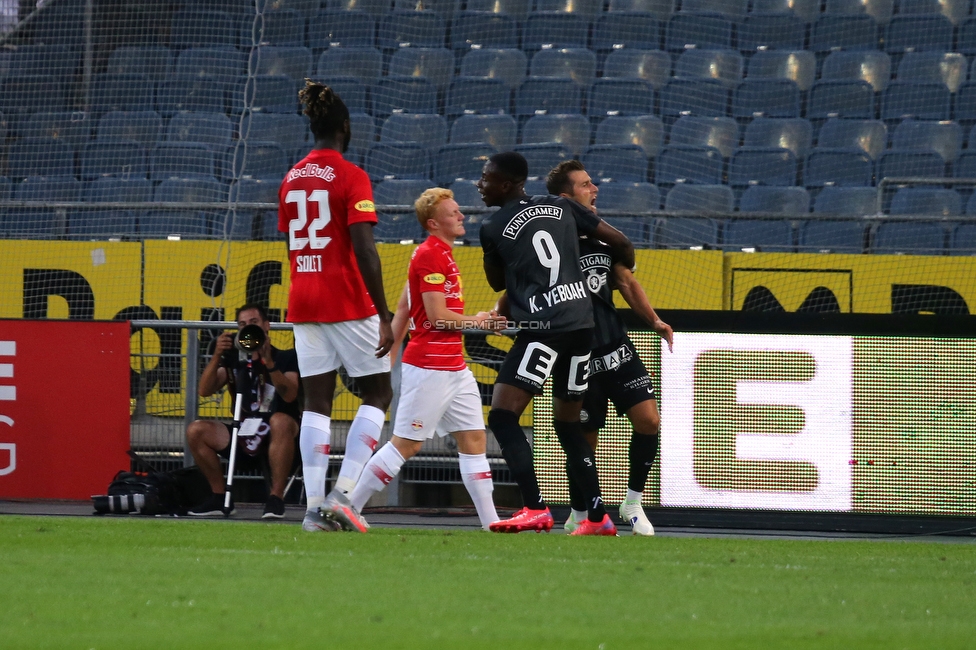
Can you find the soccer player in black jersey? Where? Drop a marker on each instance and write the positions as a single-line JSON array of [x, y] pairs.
[[531, 249], [616, 373]]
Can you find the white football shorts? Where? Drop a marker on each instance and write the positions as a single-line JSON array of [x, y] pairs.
[[323, 347], [437, 402]]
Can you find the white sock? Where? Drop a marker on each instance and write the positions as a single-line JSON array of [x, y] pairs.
[[314, 446], [578, 515], [634, 496], [476, 475], [376, 475], [364, 433]]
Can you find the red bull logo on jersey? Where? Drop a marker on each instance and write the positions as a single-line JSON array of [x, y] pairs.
[[311, 170], [417, 425]]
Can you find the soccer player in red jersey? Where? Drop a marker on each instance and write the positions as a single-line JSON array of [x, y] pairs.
[[336, 300], [438, 393]]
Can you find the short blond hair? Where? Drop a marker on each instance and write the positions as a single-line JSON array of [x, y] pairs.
[[427, 202]]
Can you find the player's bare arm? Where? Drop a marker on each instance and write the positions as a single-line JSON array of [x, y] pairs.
[[401, 322], [622, 247], [635, 296], [368, 260], [285, 383], [435, 304], [214, 375]]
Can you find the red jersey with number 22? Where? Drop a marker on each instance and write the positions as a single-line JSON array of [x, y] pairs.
[[432, 268], [317, 202]]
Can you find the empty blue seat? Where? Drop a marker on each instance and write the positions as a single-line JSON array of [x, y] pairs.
[[721, 133], [543, 157], [644, 131], [631, 198], [461, 161], [847, 32], [271, 93], [626, 29], [413, 28], [871, 66], [21, 95], [686, 232], [966, 102], [662, 9], [188, 93], [571, 131], [35, 223], [255, 159], [195, 27], [540, 95], [766, 98], [329, 29], [926, 201], [777, 31], [480, 29], [497, 130], [943, 137], [393, 228], [831, 235], [144, 127], [620, 97], [846, 201], [696, 97], [614, 162], [40, 157], [805, 10], [466, 194], [768, 235], [436, 65], [254, 190], [925, 101], [965, 166], [848, 167], [725, 66], [554, 29], [446, 8], [113, 158], [223, 63], [403, 94], [912, 32], [792, 201], [798, 66], [880, 10], [900, 164], [517, 9], [111, 223], [290, 61], [653, 66], [427, 130], [871, 136], [152, 61], [734, 9], [365, 64], [185, 223], [508, 65], [473, 95], [962, 239], [577, 64], [216, 131], [830, 98], [587, 8], [762, 166], [351, 90], [700, 165], [705, 31], [121, 92], [399, 192], [72, 127], [59, 60], [967, 36], [949, 67], [410, 161], [793, 134], [63, 23], [375, 8], [909, 237], [284, 27], [251, 224], [637, 229], [181, 160]]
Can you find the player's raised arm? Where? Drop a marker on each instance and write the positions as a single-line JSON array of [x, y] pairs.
[[635, 296], [368, 259]]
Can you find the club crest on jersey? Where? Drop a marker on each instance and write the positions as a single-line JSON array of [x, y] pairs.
[[518, 222], [434, 278], [366, 206], [595, 280], [417, 425]]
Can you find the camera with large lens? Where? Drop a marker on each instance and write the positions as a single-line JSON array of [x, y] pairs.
[[247, 340]]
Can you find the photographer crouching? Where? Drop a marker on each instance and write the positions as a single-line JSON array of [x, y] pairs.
[[268, 379]]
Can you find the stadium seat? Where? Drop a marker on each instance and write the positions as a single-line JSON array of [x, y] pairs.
[[271, 93], [660, 9], [40, 157], [620, 97], [880, 10], [222, 63], [831, 235], [798, 66], [403, 94], [111, 223], [909, 237], [427, 130], [461, 161], [541, 95], [543, 157], [645, 131], [767, 235], [121, 92], [409, 161], [773, 31], [189, 93], [926, 201], [446, 8], [830, 98], [806, 10], [144, 127], [508, 65], [924, 101], [846, 201], [41, 223], [466, 194], [966, 102], [685, 232], [352, 91], [497, 130], [436, 65], [58, 60], [965, 166], [571, 131], [695, 97], [411, 28], [199, 27], [919, 33], [698, 165], [626, 29], [517, 9], [576, 64], [895, 163], [943, 137], [399, 192], [181, 160], [375, 8], [766, 98], [793, 134], [535, 186], [846, 32], [61, 23], [329, 29], [613, 162], [285, 27], [152, 61], [734, 9], [113, 158], [846, 167], [289, 61], [555, 30], [703, 31], [792, 201], [871, 66], [962, 239], [586, 8], [215, 129], [630, 198], [762, 166], [949, 67], [721, 133], [365, 64], [871, 136], [21, 95], [72, 127], [185, 223], [966, 43], [255, 159], [652, 66], [724, 66], [476, 95], [638, 230], [394, 228], [252, 224], [472, 30]]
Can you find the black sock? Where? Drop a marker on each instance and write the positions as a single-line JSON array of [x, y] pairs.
[[576, 499], [582, 465], [643, 449], [518, 454]]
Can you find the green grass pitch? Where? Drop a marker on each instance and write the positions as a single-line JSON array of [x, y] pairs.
[[145, 583]]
